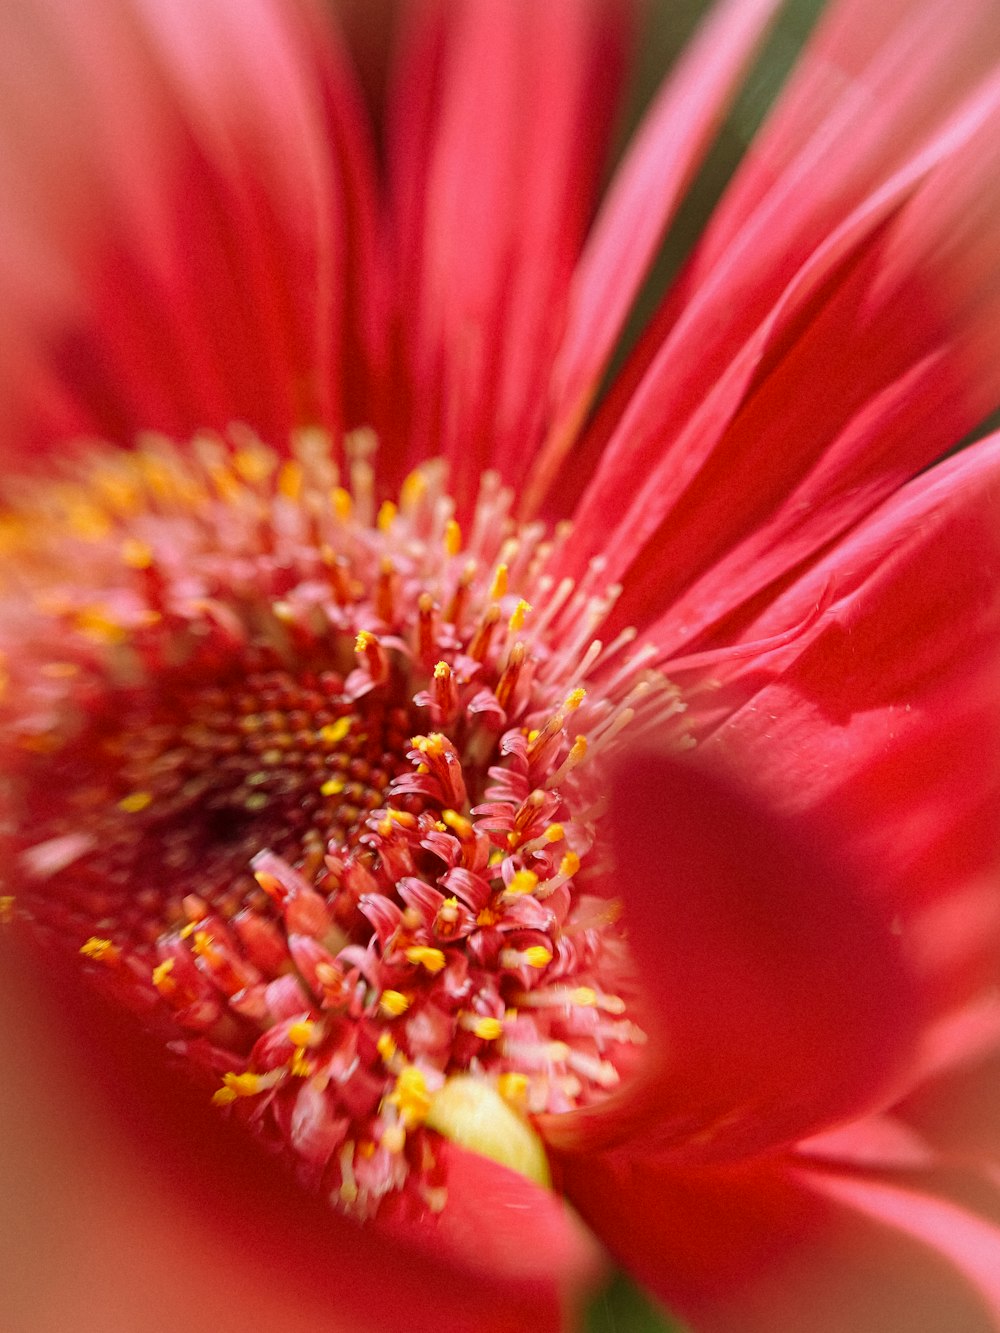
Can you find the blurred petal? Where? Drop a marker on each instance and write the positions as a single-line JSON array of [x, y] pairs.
[[778, 1003]]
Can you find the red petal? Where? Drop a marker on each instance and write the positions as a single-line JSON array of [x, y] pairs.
[[190, 210], [769, 1247], [778, 1004], [641, 203], [124, 1194], [884, 716], [501, 116]]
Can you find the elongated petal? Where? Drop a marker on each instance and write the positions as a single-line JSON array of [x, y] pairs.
[[501, 118], [778, 1003], [197, 239], [773, 1247], [640, 205], [884, 715]]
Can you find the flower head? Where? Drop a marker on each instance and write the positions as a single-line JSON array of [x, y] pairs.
[[376, 753]]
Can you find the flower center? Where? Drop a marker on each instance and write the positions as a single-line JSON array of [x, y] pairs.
[[316, 789]]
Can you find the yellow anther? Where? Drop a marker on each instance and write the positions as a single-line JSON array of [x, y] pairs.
[[472, 1113], [136, 554], [413, 490], [95, 623], [458, 823], [394, 1003], [341, 503], [498, 588], [452, 537], [334, 732], [523, 881], [100, 950], [574, 699], [584, 995], [537, 956], [364, 641], [386, 1046], [253, 465], [304, 1033], [224, 1097], [411, 1096], [204, 946], [555, 833], [488, 1029], [298, 1065], [135, 801], [386, 516], [244, 1085], [519, 615], [424, 956], [290, 479], [569, 865], [513, 1088], [441, 671], [332, 787], [162, 979]]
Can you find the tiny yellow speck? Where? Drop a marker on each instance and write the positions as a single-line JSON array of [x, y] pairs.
[[537, 956], [334, 732], [364, 641], [523, 881], [569, 865], [303, 1033], [386, 1046], [498, 588], [452, 537], [386, 516], [413, 489], [519, 615], [162, 979], [394, 1003], [554, 833], [341, 503], [425, 956], [100, 950], [574, 699], [332, 787], [135, 802], [442, 671], [488, 1029], [411, 1095]]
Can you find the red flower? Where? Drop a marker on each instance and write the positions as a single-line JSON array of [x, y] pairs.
[[308, 755]]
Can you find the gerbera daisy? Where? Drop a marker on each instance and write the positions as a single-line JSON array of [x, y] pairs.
[[440, 758]]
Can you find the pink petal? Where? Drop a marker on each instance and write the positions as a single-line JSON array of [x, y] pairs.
[[640, 205], [771, 1247], [778, 1004], [884, 716]]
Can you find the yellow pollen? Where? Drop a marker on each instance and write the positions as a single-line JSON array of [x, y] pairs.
[[333, 787], [569, 865], [394, 1003], [136, 554], [523, 881], [442, 671], [537, 956], [457, 823], [290, 480], [386, 516], [554, 833], [424, 956], [452, 537], [413, 490], [574, 699], [304, 1033], [334, 732], [298, 1065], [488, 1029], [100, 950], [224, 1097], [411, 1096], [135, 802], [253, 465], [242, 1085], [204, 946], [341, 503], [519, 615], [386, 1047], [162, 979], [498, 588], [364, 641]]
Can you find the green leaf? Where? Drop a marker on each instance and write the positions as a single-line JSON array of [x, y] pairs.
[[622, 1307]]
